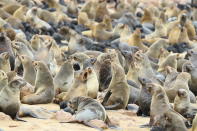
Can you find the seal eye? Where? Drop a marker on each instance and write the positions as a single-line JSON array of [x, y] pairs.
[[138, 55], [93, 60], [75, 58]]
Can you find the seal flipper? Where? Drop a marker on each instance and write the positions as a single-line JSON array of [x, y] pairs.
[[112, 107], [108, 94], [35, 112], [145, 126], [19, 119], [71, 121], [35, 115], [156, 128]]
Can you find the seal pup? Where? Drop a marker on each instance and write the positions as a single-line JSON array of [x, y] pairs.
[[92, 83], [87, 109]]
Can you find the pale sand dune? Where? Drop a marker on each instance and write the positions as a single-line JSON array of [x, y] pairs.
[[127, 122]]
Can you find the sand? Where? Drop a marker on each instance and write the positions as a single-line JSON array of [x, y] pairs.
[[127, 121]]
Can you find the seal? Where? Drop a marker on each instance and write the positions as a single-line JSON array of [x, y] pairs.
[[117, 87], [10, 97], [44, 87], [87, 109]]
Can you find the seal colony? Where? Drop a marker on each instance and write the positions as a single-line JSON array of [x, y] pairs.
[[90, 56]]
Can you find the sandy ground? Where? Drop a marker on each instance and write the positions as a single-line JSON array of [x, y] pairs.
[[127, 122]]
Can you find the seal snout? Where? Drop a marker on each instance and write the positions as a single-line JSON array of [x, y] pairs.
[[16, 45], [76, 66], [181, 92], [149, 86]]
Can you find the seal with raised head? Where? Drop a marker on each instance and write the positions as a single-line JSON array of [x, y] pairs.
[[118, 86], [44, 87], [183, 106], [145, 97], [10, 97]]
